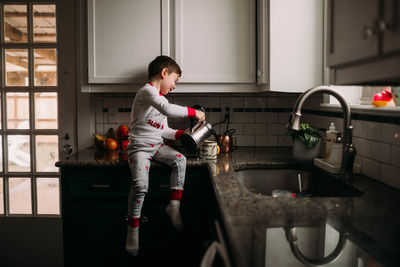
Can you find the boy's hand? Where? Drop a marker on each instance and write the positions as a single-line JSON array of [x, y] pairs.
[[200, 116]]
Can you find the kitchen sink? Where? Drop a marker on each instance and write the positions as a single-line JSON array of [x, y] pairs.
[[313, 183]]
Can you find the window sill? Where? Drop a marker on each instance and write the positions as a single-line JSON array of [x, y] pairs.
[[387, 111]]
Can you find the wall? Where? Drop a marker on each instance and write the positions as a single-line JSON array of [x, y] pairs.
[[260, 120]]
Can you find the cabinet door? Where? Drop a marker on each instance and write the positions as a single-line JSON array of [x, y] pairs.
[[123, 37], [295, 45], [351, 27], [215, 40], [391, 35]]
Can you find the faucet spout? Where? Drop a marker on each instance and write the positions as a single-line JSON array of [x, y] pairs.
[[349, 150]]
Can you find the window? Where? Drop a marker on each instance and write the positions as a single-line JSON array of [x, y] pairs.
[[359, 95], [29, 180]]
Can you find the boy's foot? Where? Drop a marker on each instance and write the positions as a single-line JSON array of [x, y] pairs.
[[132, 241], [173, 212]]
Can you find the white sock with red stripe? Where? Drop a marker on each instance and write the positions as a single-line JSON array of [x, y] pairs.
[[132, 237], [173, 209]]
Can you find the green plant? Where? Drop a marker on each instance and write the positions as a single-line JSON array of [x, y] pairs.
[[308, 135]]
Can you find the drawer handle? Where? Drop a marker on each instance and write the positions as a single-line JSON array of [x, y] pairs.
[[101, 185]]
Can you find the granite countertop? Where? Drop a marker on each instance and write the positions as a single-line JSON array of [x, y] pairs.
[[371, 220]]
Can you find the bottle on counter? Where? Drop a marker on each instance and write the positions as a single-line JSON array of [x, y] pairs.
[[330, 137], [335, 156]]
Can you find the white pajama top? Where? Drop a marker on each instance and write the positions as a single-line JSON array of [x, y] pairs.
[[150, 110]]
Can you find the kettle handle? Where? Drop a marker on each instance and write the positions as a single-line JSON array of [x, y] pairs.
[[192, 121]]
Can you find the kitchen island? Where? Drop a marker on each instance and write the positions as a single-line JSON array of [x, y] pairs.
[[253, 223]]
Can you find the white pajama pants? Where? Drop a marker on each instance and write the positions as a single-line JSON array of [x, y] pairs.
[[140, 154]]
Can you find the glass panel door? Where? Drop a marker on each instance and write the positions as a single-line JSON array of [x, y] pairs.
[[29, 108]]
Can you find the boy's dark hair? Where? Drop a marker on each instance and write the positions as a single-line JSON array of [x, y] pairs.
[[161, 62]]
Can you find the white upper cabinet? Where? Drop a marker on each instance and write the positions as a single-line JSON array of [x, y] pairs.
[[215, 41], [221, 46], [123, 37], [295, 45]]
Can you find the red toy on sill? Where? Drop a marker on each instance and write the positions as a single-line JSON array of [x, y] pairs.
[[382, 99]]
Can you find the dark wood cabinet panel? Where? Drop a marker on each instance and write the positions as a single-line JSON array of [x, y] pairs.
[[391, 24], [351, 30], [363, 45], [94, 205]]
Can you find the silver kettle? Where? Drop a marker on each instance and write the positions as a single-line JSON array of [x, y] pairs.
[[193, 137]]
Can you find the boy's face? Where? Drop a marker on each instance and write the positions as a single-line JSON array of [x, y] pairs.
[[168, 82]]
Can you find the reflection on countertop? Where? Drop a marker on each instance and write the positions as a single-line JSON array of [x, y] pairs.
[[371, 220]]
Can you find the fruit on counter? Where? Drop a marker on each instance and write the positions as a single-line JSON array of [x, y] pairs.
[[122, 136], [382, 99], [110, 144], [99, 140], [111, 134], [122, 129]]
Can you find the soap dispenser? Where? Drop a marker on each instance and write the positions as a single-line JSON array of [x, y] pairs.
[[330, 137]]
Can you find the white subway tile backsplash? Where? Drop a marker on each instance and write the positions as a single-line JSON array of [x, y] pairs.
[[213, 117], [254, 102], [99, 128], [390, 175], [390, 133], [129, 102], [232, 102], [278, 102], [99, 114], [114, 101], [124, 118], [285, 141], [357, 127], [276, 129], [362, 146], [380, 152], [208, 101], [255, 129], [266, 140], [283, 117], [237, 126], [357, 164], [266, 117], [395, 156], [113, 115], [371, 130], [242, 117], [370, 168], [184, 101], [244, 140]]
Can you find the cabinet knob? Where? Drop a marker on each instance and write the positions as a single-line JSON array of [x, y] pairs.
[[383, 25], [368, 32]]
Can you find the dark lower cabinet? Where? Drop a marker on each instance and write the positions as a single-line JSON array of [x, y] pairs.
[[94, 205]]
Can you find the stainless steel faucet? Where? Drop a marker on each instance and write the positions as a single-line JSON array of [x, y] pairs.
[[349, 151]]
